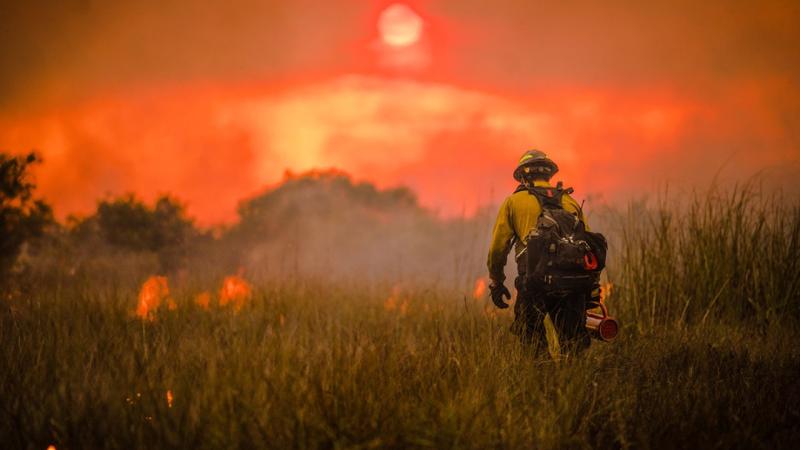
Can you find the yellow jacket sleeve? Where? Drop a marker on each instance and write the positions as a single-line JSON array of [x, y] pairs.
[[502, 239]]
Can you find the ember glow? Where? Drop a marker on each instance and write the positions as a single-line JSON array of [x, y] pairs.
[[397, 302], [203, 300], [439, 96], [480, 288]]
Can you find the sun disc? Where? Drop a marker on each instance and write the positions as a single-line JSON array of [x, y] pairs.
[[399, 26]]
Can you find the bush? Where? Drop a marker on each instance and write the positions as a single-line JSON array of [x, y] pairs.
[[22, 218], [126, 223]]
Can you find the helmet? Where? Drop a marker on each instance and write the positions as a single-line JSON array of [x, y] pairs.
[[537, 161]]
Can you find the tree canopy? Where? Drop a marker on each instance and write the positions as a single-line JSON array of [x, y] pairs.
[[22, 218]]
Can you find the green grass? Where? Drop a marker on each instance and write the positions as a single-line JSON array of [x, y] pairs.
[[326, 365], [726, 255]]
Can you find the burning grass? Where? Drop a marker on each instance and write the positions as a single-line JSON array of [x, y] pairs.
[[153, 292], [331, 364], [290, 370]]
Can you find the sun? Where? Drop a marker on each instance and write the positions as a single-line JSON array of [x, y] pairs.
[[400, 26]]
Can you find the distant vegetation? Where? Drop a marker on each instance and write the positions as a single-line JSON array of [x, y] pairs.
[[318, 225], [22, 217], [337, 315]]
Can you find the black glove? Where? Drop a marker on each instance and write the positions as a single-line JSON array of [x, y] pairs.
[[498, 291]]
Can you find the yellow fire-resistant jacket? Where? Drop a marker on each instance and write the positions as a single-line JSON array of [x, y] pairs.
[[517, 217]]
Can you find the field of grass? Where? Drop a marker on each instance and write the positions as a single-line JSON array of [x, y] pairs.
[[707, 358]]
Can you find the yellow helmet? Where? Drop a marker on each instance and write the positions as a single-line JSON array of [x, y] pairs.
[[535, 162]]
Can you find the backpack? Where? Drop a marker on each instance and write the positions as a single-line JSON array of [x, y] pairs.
[[562, 257]]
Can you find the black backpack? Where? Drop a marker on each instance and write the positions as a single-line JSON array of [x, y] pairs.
[[562, 257]]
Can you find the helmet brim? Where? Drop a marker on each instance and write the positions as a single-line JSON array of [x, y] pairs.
[[541, 162]]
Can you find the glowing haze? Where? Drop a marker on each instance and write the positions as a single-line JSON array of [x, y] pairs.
[[399, 25], [213, 104]]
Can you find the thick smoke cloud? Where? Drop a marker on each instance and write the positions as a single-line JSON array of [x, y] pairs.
[[692, 45], [213, 103]]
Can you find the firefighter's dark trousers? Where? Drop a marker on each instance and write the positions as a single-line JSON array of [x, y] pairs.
[[568, 314]]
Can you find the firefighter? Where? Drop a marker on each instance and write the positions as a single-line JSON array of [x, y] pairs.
[[519, 214]]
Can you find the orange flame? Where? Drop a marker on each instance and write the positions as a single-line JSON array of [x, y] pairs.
[[396, 302], [203, 299], [391, 302], [480, 288], [605, 291], [170, 398], [152, 293], [235, 290]]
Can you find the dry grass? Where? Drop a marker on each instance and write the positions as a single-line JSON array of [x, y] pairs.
[[707, 359], [726, 255], [322, 367]]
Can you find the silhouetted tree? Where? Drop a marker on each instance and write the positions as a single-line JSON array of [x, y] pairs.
[[22, 217], [128, 223], [323, 223]]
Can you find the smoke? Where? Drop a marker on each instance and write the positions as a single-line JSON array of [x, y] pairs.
[[214, 104], [625, 43], [454, 146], [61, 52], [322, 225]]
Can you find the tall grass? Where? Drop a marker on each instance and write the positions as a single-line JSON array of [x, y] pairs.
[[319, 367], [726, 255], [334, 365]]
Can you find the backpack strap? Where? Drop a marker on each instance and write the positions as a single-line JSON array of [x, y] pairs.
[[549, 197]]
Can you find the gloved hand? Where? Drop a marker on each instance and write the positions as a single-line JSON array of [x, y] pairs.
[[498, 291]]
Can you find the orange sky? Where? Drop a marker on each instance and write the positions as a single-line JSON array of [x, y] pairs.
[[212, 104]]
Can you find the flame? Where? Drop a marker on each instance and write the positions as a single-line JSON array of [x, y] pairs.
[[235, 290], [605, 291], [152, 293], [390, 304], [480, 288], [396, 302], [51, 447], [203, 299], [170, 398]]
